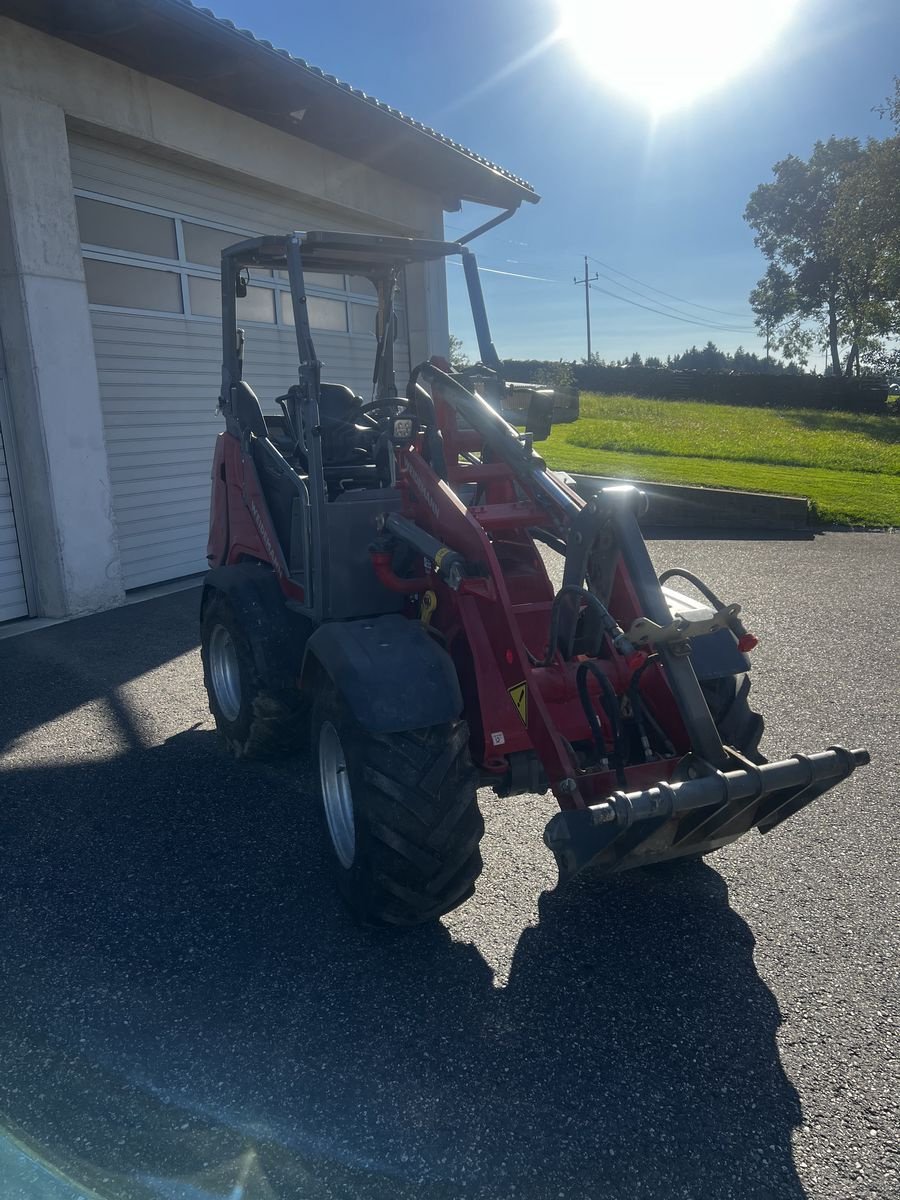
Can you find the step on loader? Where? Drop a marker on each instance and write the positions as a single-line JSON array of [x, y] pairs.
[[379, 596]]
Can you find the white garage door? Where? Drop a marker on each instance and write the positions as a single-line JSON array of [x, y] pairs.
[[151, 236], [12, 585]]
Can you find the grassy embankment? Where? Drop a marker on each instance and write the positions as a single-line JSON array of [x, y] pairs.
[[847, 463]]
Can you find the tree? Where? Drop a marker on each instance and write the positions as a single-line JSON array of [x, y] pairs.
[[830, 228], [794, 219], [866, 232], [711, 358], [775, 305], [635, 360], [556, 374], [891, 106], [885, 364], [459, 360]]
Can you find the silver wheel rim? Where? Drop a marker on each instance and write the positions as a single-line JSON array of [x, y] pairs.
[[336, 794], [225, 673]]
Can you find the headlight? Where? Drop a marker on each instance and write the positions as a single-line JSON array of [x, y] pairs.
[[403, 430]]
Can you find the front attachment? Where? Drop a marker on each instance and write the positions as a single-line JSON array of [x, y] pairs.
[[693, 817]]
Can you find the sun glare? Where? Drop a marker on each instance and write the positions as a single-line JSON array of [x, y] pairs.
[[666, 54]]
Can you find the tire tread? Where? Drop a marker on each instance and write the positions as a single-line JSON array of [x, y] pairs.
[[274, 723], [423, 827]]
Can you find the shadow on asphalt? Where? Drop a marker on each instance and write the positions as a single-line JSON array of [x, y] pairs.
[[188, 1013], [50, 672]]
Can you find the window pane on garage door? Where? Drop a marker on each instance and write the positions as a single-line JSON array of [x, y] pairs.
[[206, 301], [121, 228], [132, 287]]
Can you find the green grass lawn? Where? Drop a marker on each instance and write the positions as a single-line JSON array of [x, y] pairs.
[[847, 463]]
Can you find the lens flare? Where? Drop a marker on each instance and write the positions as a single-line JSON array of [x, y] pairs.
[[666, 55]]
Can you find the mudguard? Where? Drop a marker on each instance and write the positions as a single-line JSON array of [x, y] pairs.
[[391, 674], [715, 655], [277, 636]]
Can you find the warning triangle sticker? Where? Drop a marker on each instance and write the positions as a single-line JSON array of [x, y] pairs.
[[519, 696]]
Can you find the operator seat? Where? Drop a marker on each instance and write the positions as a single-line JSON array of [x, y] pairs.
[[339, 412], [347, 437]]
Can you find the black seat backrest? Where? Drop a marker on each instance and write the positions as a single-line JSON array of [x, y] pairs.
[[339, 410], [248, 410], [281, 487], [338, 402]]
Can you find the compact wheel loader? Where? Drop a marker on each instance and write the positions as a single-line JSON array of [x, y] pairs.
[[379, 593]]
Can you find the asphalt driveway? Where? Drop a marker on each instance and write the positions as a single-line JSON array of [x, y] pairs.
[[186, 1012]]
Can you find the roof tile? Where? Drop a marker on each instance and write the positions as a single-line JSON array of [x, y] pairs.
[[361, 95]]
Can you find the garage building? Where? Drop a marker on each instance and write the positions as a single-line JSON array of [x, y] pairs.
[[137, 138]]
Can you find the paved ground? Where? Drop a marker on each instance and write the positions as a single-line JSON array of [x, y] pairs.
[[187, 1013]]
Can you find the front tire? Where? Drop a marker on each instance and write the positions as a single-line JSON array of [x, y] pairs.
[[401, 813], [738, 725], [255, 720]]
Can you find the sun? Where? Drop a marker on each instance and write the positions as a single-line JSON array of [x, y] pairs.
[[665, 54]]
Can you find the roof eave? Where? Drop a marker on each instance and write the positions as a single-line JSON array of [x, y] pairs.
[[192, 49]]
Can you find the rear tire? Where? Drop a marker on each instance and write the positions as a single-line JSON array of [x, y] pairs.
[[255, 721], [401, 813]]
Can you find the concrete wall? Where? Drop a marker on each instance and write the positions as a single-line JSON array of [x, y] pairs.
[[52, 379], [46, 87], [105, 97]]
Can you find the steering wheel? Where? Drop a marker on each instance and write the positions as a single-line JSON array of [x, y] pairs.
[[391, 407], [393, 403]]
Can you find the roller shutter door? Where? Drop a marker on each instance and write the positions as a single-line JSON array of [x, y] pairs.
[[151, 233]]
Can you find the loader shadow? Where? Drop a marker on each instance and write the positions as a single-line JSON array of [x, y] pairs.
[[188, 1013]]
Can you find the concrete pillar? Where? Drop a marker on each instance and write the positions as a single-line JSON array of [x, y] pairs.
[[436, 316], [52, 375], [426, 300]]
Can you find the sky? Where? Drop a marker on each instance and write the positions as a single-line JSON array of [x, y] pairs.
[[597, 106]]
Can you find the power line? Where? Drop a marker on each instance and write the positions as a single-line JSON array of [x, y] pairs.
[[678, 311], [671, 316], [647, 286], [650, 288]]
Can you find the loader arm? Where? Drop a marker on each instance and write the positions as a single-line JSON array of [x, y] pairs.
[[579, 524], [552, 685]]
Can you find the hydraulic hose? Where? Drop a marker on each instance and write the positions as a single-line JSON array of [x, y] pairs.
[[596, 727], [642, 715], [745, 641], [680, 573], [611, 707], [607, 621], [549, 539]]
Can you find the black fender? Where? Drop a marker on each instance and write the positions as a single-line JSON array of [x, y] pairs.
[[276, 635], [716, 655], [391, 674]]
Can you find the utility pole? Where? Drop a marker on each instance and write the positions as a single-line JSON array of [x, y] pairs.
[[587, 302]]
